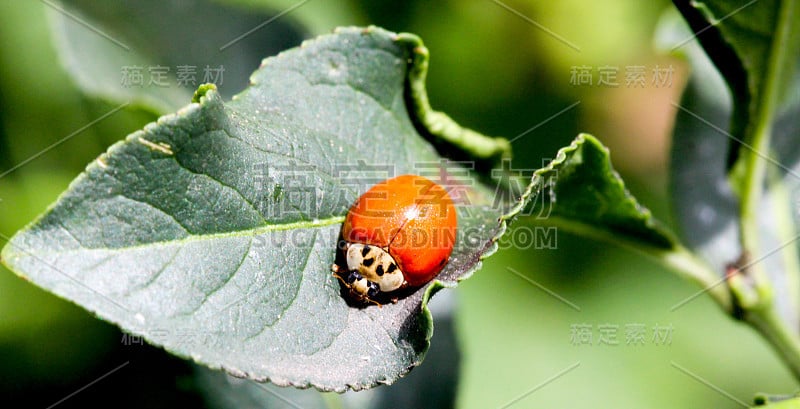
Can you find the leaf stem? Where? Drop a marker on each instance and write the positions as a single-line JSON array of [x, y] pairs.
[[678, 259], [778, 334], [786, 231], [687, 265]]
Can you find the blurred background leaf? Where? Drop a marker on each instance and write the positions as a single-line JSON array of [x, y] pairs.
[[157, 53], [706, 206], [754, 52], [491, 70], [318, 17]]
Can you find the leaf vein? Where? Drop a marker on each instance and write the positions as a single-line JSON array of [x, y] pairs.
[[230, 276], [225, 185]]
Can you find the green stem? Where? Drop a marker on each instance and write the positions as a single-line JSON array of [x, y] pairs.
[[678, 259], [759, 135], [777, 333], [687, 265], [786, 231]]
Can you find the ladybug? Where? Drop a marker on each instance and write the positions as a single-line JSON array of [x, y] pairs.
[[398, 234]]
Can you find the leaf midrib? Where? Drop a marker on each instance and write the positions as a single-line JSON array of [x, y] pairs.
[[304, 224]]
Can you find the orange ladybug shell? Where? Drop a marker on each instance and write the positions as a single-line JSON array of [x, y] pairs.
[[413, 217]]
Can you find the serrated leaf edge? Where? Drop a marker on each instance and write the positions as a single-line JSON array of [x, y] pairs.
[[535, 186]]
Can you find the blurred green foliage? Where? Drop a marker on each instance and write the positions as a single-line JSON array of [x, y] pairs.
[[491, 70]]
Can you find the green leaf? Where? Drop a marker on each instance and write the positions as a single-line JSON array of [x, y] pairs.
[[103, 46], [579, 190], [704, 204], [211, 232], [755, 45]]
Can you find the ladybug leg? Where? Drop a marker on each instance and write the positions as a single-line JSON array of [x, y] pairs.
[[336, 274], [352, 277]]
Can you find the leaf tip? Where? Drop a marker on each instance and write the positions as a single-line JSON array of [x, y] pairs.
[[411, 41], [5, 255], [586, 137], [201, 92]]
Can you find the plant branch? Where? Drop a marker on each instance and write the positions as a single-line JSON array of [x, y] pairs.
[[786, 231], [778, 334], [759, 134], [753, 293]]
